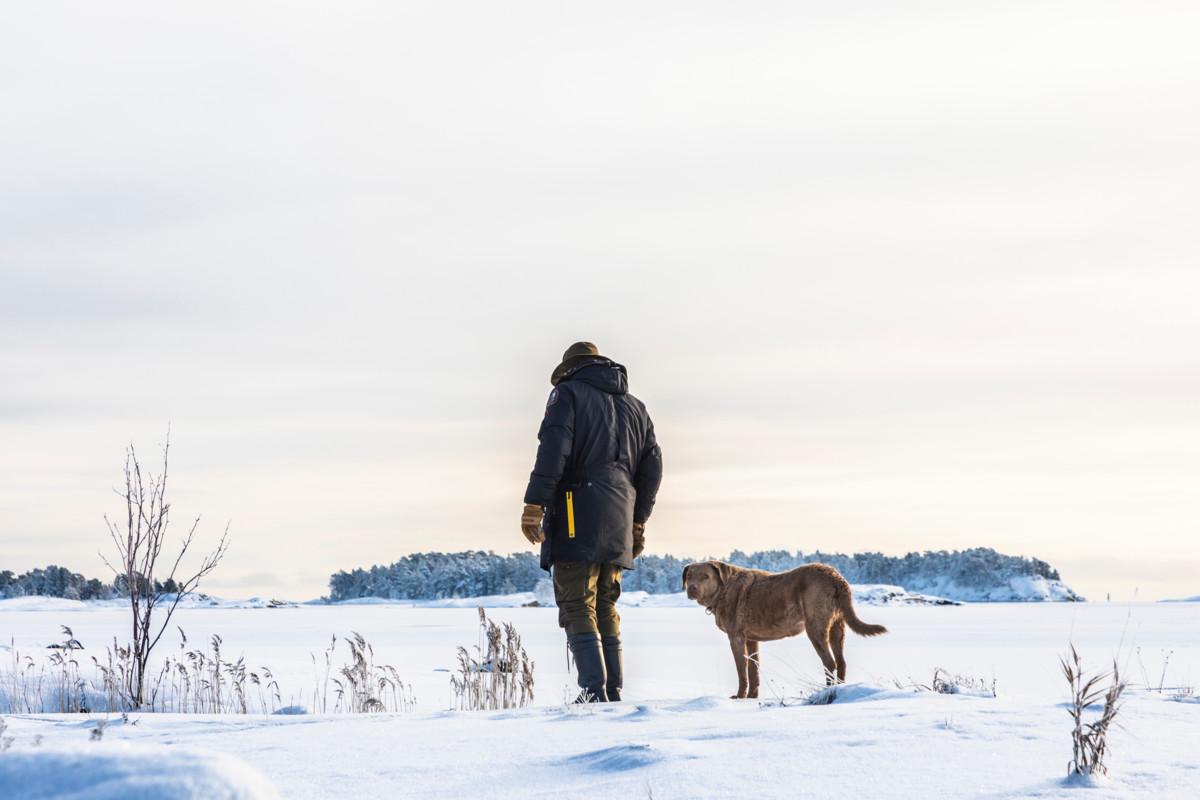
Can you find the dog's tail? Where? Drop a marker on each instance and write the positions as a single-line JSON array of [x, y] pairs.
[[846, 606]]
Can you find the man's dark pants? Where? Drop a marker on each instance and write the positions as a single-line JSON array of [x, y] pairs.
[[587, 598]]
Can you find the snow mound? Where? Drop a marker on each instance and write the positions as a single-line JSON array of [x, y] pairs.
[[123, 771], [619, 758], [1078, 780], [640, 713], [853, 693], [1018, 589], [1195, 599], [700, 704]]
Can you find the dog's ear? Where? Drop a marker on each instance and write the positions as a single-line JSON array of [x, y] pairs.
[[723, 571], [685, 569]]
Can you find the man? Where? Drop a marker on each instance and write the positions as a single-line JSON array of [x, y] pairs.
[[592, 489]]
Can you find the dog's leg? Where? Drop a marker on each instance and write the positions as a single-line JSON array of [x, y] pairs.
[[752, 667], [738, 645], [837, 639], [818, 634]]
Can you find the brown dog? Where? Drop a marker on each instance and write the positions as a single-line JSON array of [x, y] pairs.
[[753, 606]]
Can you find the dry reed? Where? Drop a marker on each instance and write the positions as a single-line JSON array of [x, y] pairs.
[[192, 681], [1089, 740], [502, 675]]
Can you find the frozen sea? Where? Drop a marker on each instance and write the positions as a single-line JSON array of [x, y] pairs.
[[676, 734]]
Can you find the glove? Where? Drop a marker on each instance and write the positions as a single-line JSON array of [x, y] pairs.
[[531, 524], [639, 538]]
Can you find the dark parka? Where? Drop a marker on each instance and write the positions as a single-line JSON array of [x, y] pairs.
[[597, 445]]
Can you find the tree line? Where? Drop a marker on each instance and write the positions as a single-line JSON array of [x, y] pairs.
[[56, 581], [430, 576], [474, 573]]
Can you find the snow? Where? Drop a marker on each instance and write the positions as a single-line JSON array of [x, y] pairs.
[[127, 770], [677, 735], [1195, 599], [871, 743], [515, 600], [873, 594], [647, 600], [1023, 588], [878, 594], [39, 603], [869, 594]]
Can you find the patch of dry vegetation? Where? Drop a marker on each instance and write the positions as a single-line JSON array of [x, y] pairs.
[[501, 676], [194, 680], [1089, 739]]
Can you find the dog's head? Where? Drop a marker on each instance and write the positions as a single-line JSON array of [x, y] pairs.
[[703, 580]]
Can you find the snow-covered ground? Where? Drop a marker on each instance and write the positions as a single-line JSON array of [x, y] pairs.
[[1021, 588], [676, 735], [126, 770]]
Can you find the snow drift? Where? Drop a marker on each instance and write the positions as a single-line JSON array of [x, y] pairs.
[[127, 771]]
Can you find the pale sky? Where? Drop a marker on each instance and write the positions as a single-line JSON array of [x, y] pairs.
[[888, 276]]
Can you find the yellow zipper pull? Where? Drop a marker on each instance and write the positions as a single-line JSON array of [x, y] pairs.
[[570, 515]]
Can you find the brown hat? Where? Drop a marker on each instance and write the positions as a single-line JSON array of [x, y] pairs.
[[577, 355]]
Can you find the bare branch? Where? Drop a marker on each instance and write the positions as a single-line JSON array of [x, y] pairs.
[[139, 548]]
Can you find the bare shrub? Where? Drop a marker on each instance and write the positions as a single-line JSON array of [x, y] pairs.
[[1090, 739], [951, 683], [801, 689], [502, 674], [139, 539], [946, 682]]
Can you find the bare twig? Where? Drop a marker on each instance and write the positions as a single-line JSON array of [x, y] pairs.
[[139, 546]]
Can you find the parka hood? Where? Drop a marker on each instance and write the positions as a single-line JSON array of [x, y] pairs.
[[602, 373]]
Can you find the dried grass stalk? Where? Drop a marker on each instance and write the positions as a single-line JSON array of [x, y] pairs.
[[502, 675], [1090, 739]]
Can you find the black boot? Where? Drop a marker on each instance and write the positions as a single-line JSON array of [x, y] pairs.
[[589, 663], [614, 665]]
